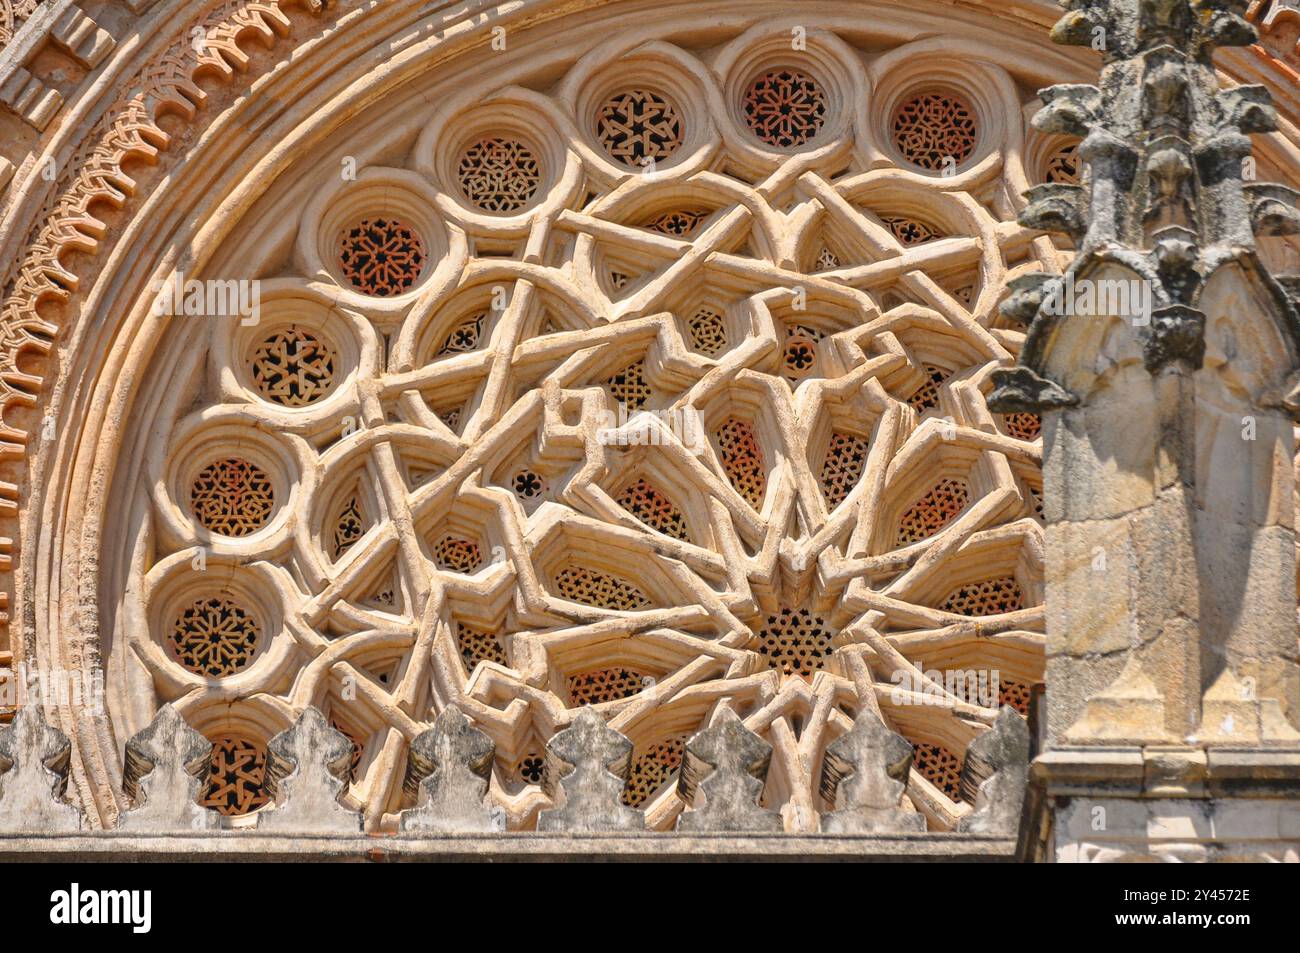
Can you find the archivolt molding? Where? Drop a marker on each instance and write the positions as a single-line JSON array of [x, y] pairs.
[[713, 568]]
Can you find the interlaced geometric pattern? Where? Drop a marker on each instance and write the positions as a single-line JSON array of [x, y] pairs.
[[679, 222], [926, 397], [636, 125], [477, 645], [381, 257], [846, 457], [594, 588], [1064, 166], [652, 768], [785, 108], [795, 642], [293, 367], [909, 231], [629, 388], [932, 512], [499, 175], [232, 497], [708, 332], [464, 337], [457, 555], [991, 597], [654, 509], [933, 130], [940, 767], [1015, 694], [236, 779], [742, 460], [1025, 426], [604, 685], [716, 550], [214, 637]]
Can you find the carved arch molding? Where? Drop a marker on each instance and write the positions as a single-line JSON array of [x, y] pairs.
[[639, 364]]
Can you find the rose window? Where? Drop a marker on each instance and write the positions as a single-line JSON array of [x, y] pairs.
[[556, 430]]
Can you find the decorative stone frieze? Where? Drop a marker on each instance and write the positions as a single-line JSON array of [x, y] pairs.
[[165, 768], [447, 773], [34, 777], [864, 774], [587, 768], [722, 778], [306, 775]]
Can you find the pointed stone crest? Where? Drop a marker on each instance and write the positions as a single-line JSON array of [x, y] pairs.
[[722, 776], [864, 774], [306, 768], [163, 775], [597, 759], [1004, 749], [34, 761], [448, 772]]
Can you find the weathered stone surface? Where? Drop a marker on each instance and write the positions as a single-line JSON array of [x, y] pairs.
[[448, 770], [722, 777], [165, 767], [587, 768], [864, 774], [306, 768], [1005, 750], [34, 777]]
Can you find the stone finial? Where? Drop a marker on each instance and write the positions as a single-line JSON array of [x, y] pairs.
[[864, 774], [34, 761], [727, 763], [305, 770], [600, 759], [448, 772], [1004, 749], [163, 776]]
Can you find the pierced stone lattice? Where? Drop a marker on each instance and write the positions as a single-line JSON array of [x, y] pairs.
[[677, 222], [708, 332], [1015, 694], [478, 645], [1065, 166], [531, 768], [652, 768], [629, 388], [457, 555], [349, 526], [594, 588], [991, 597], [827, 260], [742, 460], [785, 108], [604, 685], [800, 352], [795, 642], [499, 175], [932, 512], [910, 231], [382, 257], [293, 367], [636, 126], [935, 130], [1024, 426], [528, 485], [214, 637], [464, 336], [233, 497], [846, 458], [654, 509], [237, 776], [926, 397], [941, 768]]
